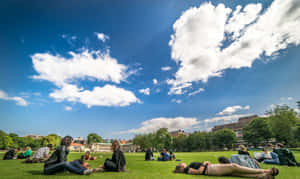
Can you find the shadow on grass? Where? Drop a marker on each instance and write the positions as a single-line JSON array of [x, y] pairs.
[[36, 172]]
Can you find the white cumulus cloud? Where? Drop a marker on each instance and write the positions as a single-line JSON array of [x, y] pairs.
[[172, 124], [178, 101], [145, 91], [68, 108], [19, 101], [102, 36], [232, 109], [154, 81], [209, 39], [166, 68], [196, 92], [66, 73]]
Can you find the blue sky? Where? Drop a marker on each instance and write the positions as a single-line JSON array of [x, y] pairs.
[[137, 66]]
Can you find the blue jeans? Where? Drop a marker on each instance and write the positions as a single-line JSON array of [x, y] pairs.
[[274, 160], [73, 167]]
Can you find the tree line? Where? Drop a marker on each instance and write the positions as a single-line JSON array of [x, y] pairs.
[[12, 140], [280, 124]]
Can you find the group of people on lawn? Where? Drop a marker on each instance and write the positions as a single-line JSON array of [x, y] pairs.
[[241, 164]]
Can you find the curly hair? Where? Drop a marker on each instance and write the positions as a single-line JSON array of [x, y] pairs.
[[67, 141], [115, 145]]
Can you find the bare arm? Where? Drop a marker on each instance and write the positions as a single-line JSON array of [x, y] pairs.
[[196, 172]]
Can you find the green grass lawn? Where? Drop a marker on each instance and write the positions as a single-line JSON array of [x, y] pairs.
[[136, 166]]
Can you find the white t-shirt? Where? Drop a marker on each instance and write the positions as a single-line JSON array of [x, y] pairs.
[[41, 153]]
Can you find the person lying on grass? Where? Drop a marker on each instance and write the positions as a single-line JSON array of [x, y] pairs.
[[25, 154], [58, 161], [11, 154], [41, 155], [117, 163], [87, 156], [205, 168]]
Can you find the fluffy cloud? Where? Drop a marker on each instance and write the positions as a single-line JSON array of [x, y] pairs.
[[209, 39], [286, 98], [178, 101], [166, 68], [19, 101], [232, 109], [68, 108], [155, 81], [66, 73], [145, 91], [102, 36], [196, 92], [172, 124]]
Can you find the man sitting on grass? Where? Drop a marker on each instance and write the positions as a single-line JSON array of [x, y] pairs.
[[41, 155], [164, 156]]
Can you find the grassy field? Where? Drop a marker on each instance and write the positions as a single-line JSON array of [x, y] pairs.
[[136, 166]]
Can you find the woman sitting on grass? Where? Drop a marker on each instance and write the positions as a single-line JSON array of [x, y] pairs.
[[197, 168], [58, 160], [117, 163]]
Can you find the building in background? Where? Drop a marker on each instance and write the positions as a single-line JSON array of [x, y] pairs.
[[76, 147], [237, 127], [34, 136], [80, 140], [178, 133]]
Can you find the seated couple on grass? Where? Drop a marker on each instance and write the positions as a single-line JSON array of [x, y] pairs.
[[58, 161], [164, 156], [230, 169], [279, 156]]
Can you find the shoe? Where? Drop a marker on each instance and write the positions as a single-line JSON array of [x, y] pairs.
[[88, 172]]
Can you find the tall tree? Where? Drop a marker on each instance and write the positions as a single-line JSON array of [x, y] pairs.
[[94, 138], [225, 138], [282, 119], [162, 139], [54, 139], [257, 131]]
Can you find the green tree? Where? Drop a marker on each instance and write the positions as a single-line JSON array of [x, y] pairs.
[[6, 142], [282, 120], [225, 138], [298, 104], [162, 139], [257, 131], [196, 141], [180, 143], [53, 139], [94, 138]]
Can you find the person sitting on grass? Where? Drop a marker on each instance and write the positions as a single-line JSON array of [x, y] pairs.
[[281, 156], [58, 160], [149, 154], [243, 150], [205, 168], [172, 156], [25, 154], [41, 155], [10, 155], [117, 163], [164, 156], [87, 156], [264, 155]]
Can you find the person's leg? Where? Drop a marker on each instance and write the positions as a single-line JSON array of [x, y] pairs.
[[229, 169], [75, 167], [274, 160], [59, 167], [260, 176]]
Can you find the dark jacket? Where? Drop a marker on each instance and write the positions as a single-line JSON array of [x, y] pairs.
[[9, 155], [149, 154], [59, 155], [243, 152], [286, 157], [116, 163]]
